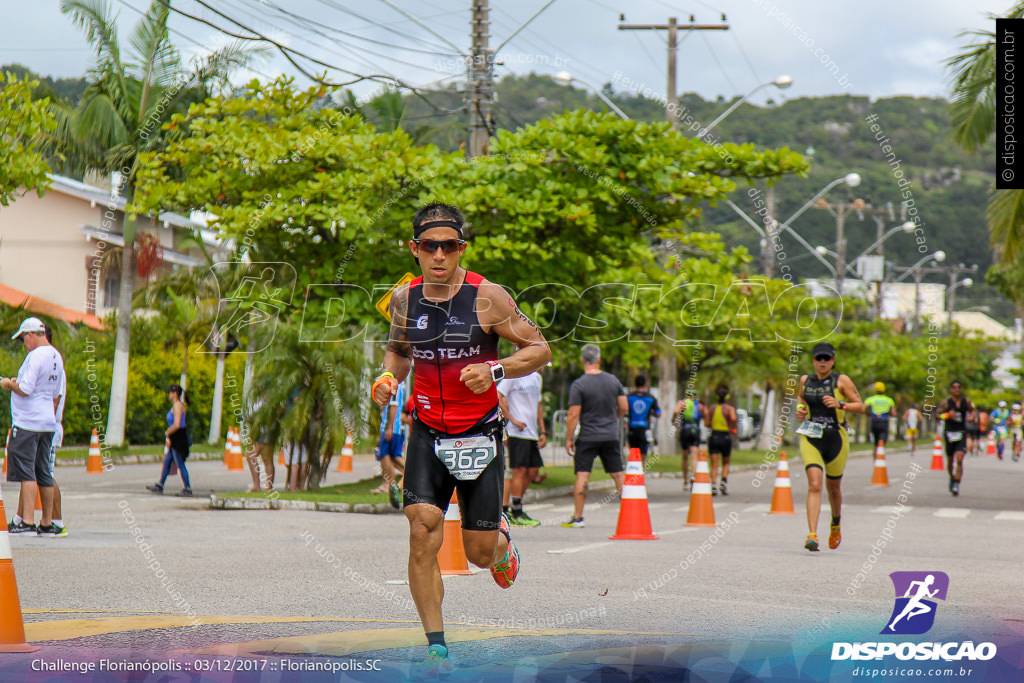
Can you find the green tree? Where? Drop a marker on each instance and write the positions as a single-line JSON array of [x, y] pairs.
[[23, 122], [309, 392], [120, 115], [973, 107]]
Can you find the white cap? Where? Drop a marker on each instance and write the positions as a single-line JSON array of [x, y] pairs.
[[1002, 404], [30, 325], [1016, 406]]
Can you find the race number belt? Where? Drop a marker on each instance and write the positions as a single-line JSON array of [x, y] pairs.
[[954, 436], [810, 429], [467, 456]]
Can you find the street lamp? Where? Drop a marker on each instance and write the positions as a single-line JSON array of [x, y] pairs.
[[565, 78], [907, 227], [782, 82], [773, 227], [966, 282], [915, 269]]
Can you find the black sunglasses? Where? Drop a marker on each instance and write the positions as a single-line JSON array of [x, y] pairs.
[[431, 246], [823, 359]]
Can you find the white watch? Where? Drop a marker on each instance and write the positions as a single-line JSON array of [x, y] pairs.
[[497, 371]]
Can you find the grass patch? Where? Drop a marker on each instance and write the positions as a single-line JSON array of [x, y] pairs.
[[83, 451]]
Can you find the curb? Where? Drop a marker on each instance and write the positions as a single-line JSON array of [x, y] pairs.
[[232, 503], [133, 459]]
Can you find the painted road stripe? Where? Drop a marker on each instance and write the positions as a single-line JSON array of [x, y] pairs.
[[892, 509], [673, 531], [350, 642], [579, 548], [763, 508], [1010, 516], [953, 513]]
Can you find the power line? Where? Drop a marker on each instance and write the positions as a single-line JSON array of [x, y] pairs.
[[313, 22], [715, 57], [528, 21], [334, 5], [425, 27]]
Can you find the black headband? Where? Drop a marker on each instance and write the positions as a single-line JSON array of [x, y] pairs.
[[417, 230]]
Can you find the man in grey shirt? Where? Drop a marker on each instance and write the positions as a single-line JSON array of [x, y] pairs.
[[597, 402]]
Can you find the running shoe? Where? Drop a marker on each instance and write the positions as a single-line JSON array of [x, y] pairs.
[[714, 490], [523, 519], [723, 488], [395, 496], [184, 493], [951, 482], [22, 528], [48, 530], [61, 531], [835, 537], [505, 572], [954, 488], [812, 543], [436, 662], [576, 522], [155, 488]]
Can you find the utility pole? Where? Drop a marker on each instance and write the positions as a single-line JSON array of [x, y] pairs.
[[673, 27], [481, 81]]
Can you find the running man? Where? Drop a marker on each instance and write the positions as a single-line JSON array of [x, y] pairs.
[[998, 418], [642, 406], [954, 410], [825, 398], [914, 606], [1016, 426], [448, 322], [389, 448], [880, 409], [722, 421], [912, 416], [688, 417], [973, 432], [521, 404]]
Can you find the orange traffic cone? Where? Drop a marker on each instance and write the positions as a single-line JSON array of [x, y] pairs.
[[6, 444], [990, 450], [12, 628], [880, 477], [782, 497], [452, 555], [280, 459], [227, 448], [937, 462], [634, 515], [94, 464], [235, 462], [702, 511], [345, 461]]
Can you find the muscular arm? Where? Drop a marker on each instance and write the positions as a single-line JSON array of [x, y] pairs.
[[398, 353], [500, 315], [623, 406], [854, 403], [730, 417], [801, 413]]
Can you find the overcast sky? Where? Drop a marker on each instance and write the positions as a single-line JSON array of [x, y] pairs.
[[882, 48]]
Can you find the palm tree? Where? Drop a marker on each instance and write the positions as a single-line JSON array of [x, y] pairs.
[[973, 114], [309, 390], [121, 114]]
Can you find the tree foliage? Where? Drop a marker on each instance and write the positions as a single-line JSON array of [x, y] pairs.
[[23, 121]]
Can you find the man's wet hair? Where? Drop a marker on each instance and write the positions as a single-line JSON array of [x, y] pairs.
[[438, 211]]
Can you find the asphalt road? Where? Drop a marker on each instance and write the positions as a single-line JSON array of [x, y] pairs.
[[315, 583]]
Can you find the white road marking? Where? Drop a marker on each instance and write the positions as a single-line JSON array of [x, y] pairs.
[[890, 509], [953, 513], [1010, 516], [758, 508], [579, 548]]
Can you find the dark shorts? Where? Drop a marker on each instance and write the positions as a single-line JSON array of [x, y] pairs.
[[953, 446], [638, 439], [588, 451], [391, 448], [879, 431], [689, 437], [720, 442], [428, 481], [974, 431], [29, 455], [523, 453]]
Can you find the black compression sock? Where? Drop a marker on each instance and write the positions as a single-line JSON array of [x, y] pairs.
[[835, 520], [517, 504], [436, 638], [504, 508]]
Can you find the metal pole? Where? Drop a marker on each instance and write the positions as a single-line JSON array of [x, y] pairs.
[[481, 80], [671, 97]]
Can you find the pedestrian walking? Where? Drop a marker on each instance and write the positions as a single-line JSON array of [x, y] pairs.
[[177, 432]]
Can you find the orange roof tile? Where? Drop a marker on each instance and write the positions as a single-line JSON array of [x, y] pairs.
[[17, 298]]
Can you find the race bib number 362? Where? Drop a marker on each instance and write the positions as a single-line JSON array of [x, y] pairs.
[[466, 457]]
